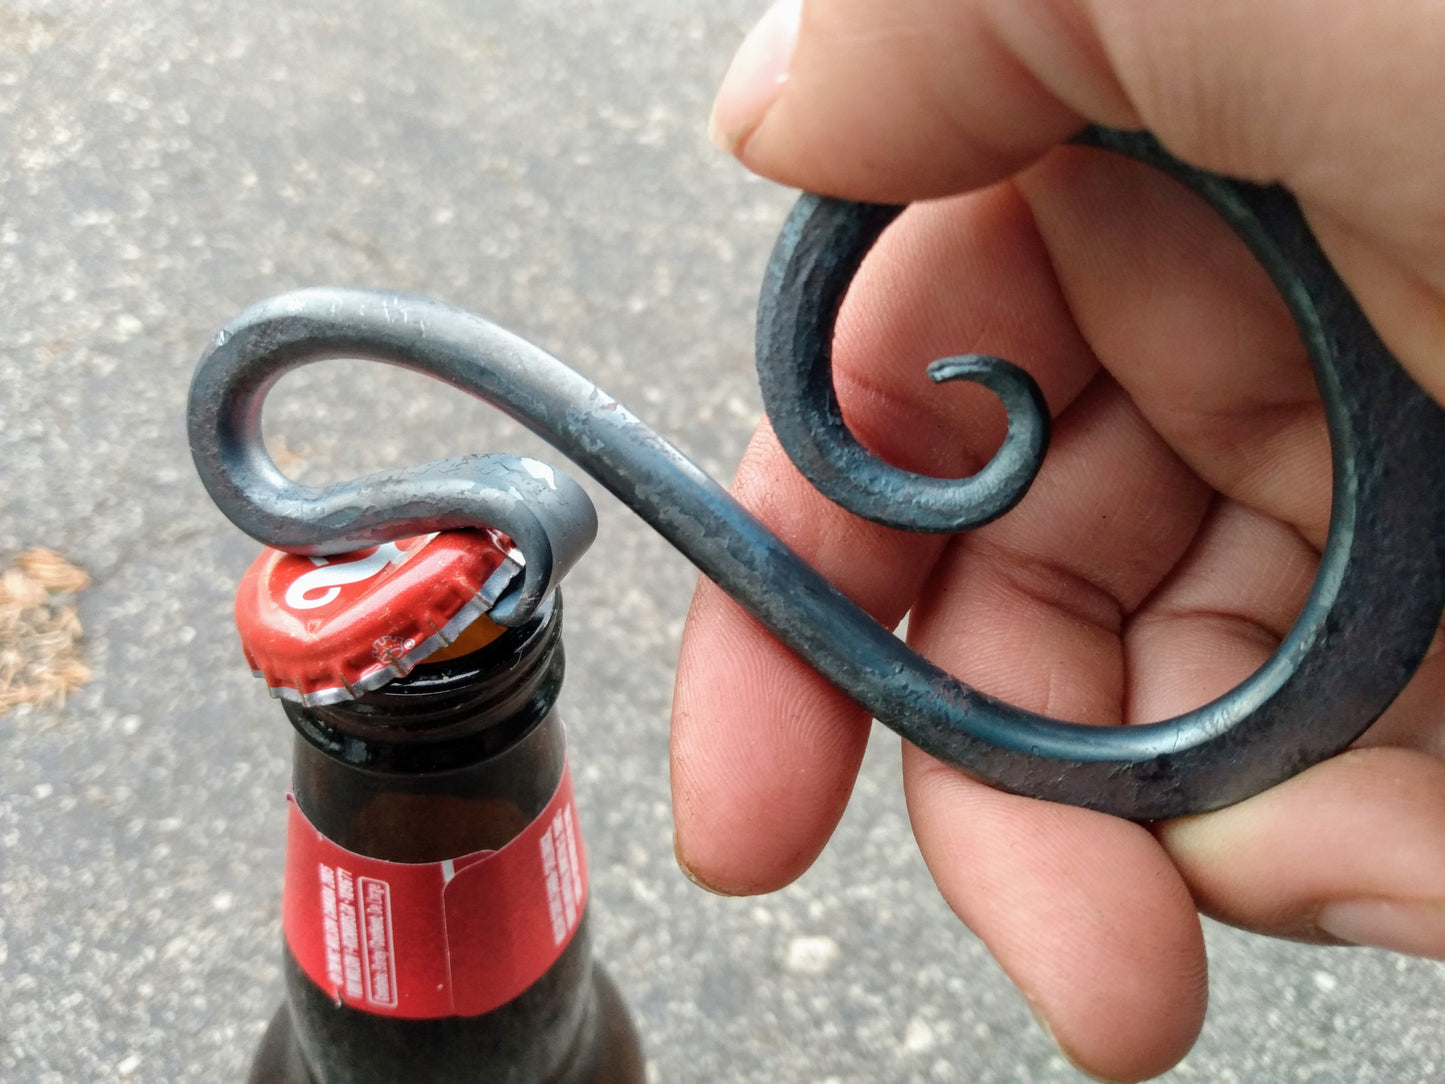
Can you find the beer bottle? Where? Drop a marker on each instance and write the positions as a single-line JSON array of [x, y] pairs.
[[435, 899]]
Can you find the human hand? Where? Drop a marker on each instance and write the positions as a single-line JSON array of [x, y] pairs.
[[1175, 528]]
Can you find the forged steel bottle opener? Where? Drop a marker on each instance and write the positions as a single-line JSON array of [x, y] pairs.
[[1375, 606]]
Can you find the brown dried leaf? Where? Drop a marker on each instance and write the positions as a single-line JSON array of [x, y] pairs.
[[52, 571], [40, 658], [20, 592]]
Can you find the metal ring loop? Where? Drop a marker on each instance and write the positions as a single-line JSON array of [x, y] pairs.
[[1380, 588]]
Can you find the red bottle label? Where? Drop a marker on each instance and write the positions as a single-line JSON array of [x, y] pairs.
[[431, 939]]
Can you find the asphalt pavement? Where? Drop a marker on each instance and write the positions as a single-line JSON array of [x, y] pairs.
[[165, 163]]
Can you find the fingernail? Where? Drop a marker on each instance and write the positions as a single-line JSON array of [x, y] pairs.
[[1415, 928], [690, 875], [756, 76]]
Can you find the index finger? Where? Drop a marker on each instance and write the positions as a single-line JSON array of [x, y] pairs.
[[764, 751]]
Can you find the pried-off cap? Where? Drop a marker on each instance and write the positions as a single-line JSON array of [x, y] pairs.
[[325, 629]]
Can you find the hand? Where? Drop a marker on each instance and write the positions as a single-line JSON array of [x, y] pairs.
[[1175, 529]]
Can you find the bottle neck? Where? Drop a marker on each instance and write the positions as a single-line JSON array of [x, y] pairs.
[[447, 715], [456, 757]]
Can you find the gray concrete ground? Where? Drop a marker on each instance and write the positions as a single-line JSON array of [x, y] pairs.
[[164, 163]]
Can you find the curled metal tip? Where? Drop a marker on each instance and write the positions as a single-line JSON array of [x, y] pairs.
[[820, 249]]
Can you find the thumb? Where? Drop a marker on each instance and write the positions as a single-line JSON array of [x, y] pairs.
[[901, 100], [896, 101]]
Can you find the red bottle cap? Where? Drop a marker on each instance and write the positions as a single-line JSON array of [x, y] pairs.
[[326, 629]]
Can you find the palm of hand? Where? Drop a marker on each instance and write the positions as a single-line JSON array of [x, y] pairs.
[[1166, 546]]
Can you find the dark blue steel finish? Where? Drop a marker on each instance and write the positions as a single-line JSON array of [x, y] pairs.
[[1376, 603], [546, 513], [820, 248]]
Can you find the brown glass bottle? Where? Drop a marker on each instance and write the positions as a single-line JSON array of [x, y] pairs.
[[455, 758]]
